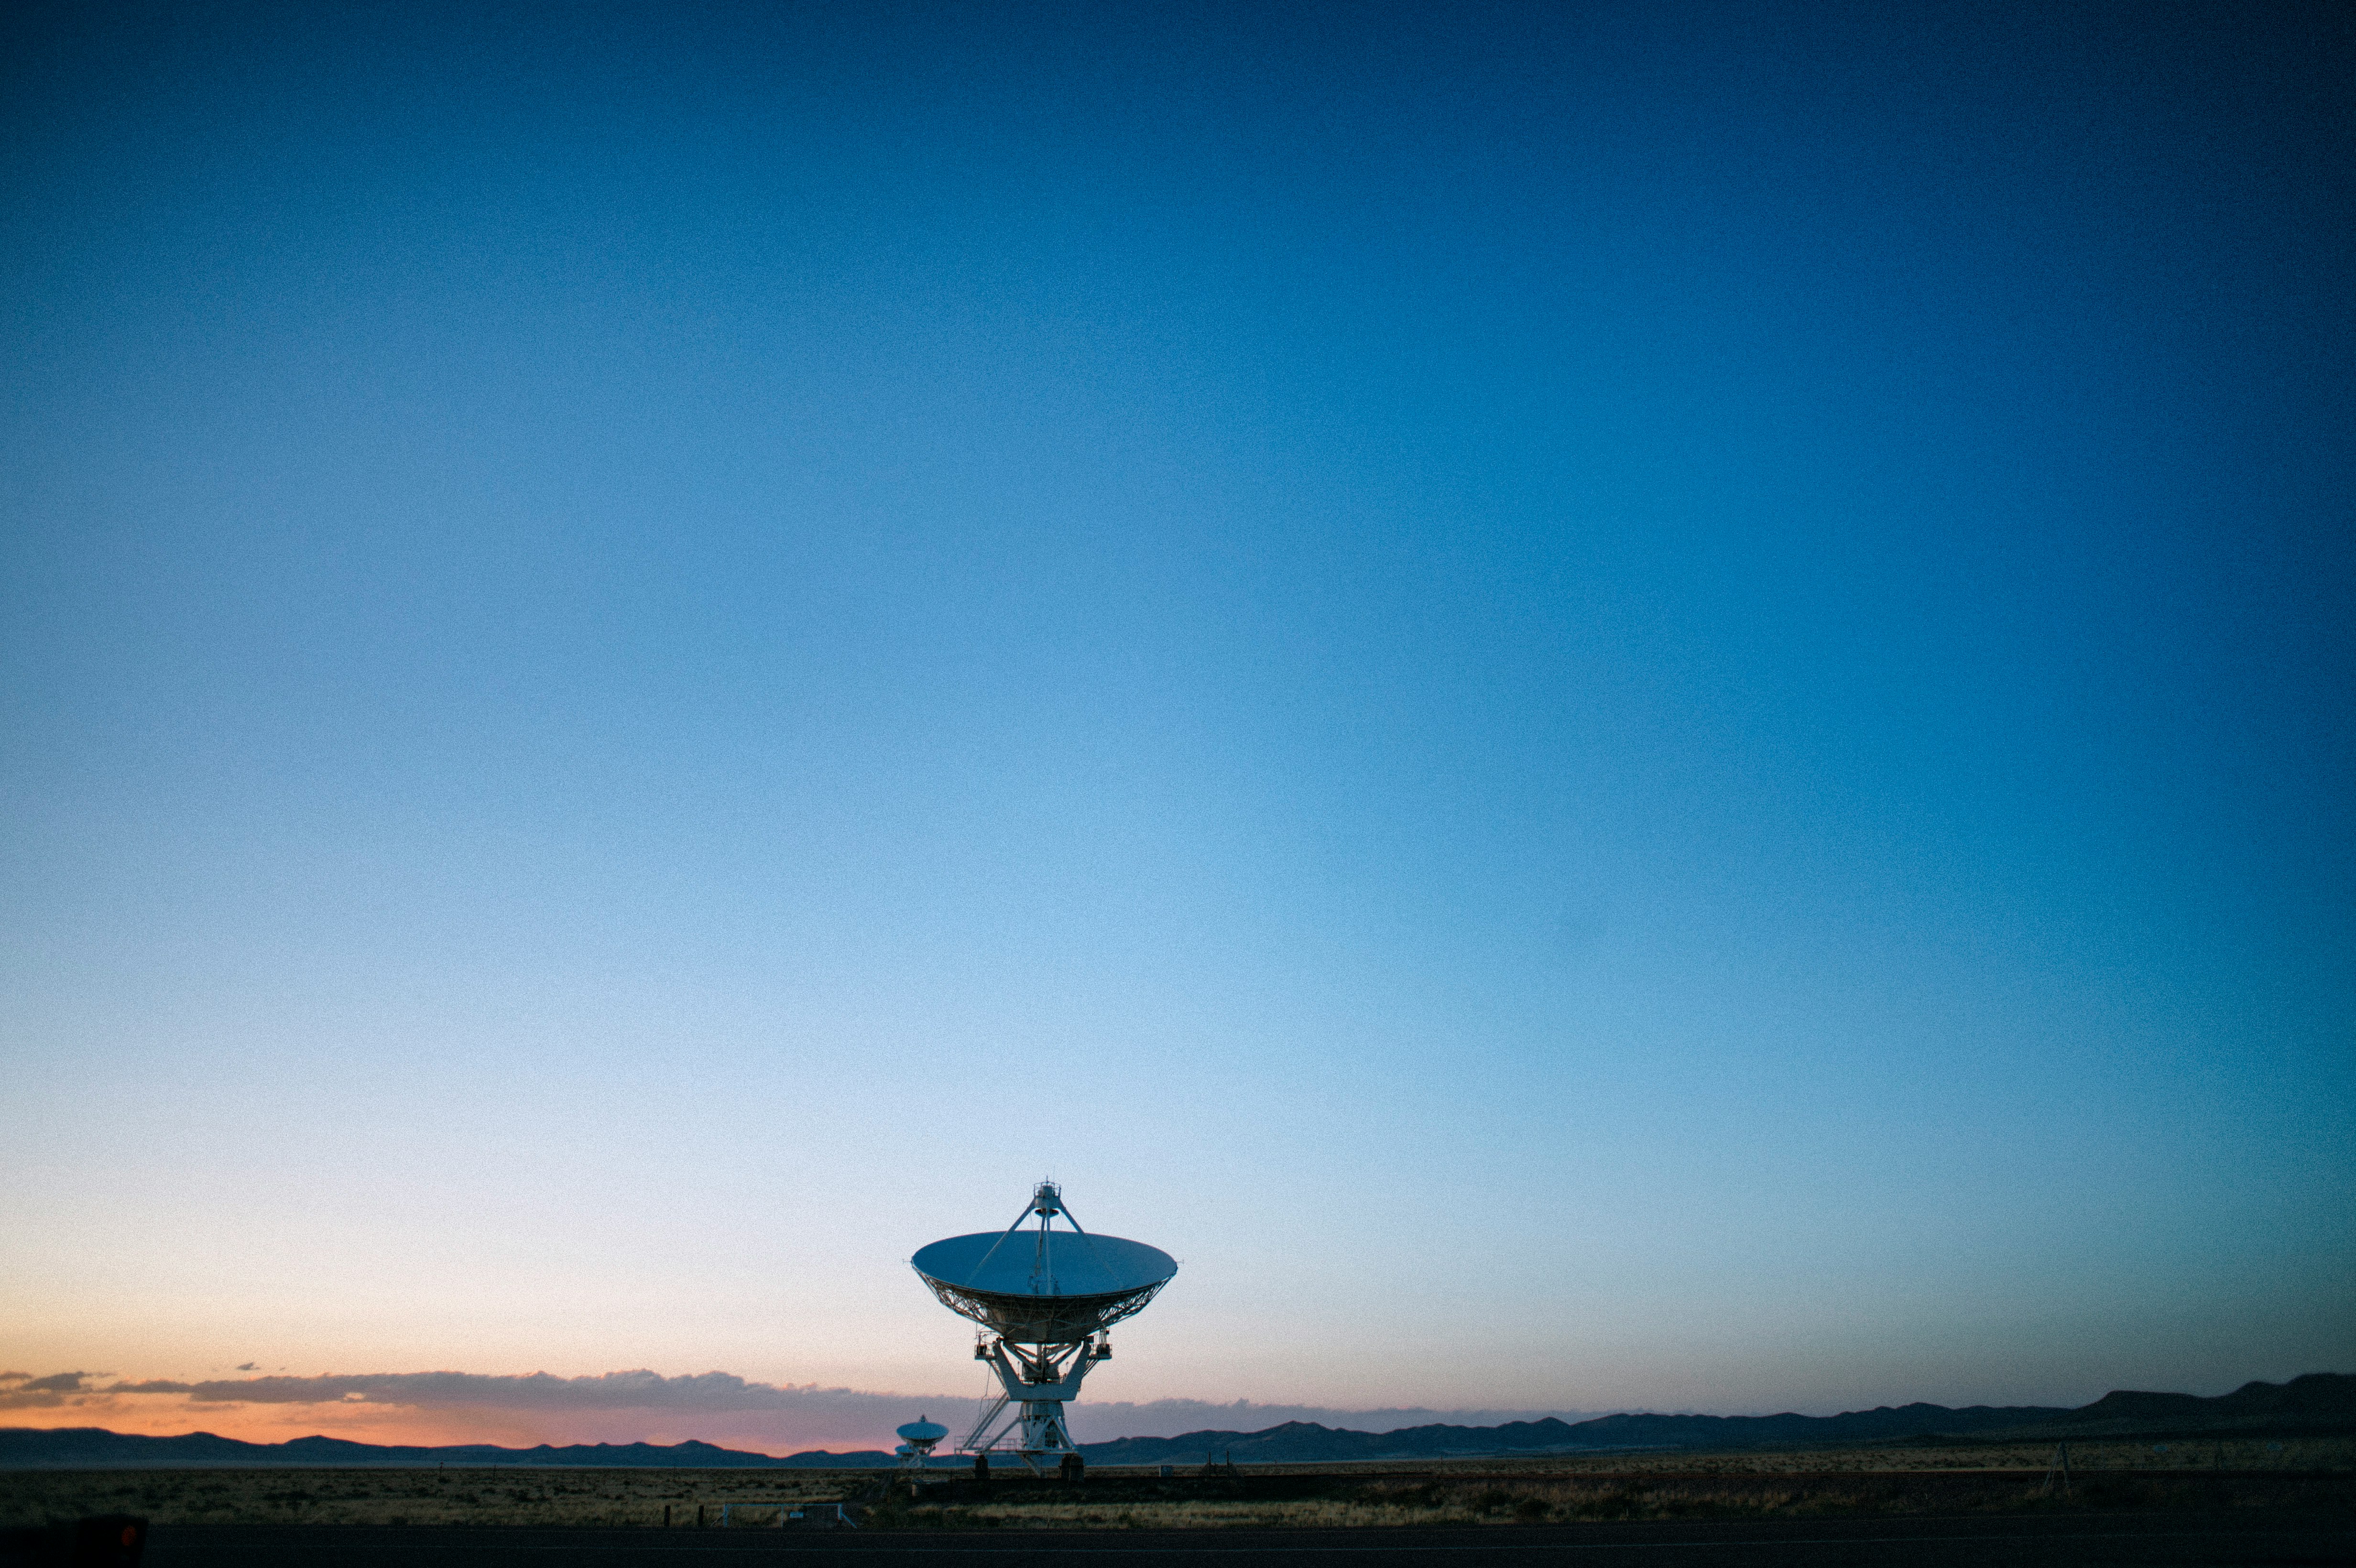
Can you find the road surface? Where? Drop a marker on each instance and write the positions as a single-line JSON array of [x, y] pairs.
[[2249, 1539]]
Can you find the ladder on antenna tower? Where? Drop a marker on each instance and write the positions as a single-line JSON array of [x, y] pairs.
[[981, 1438]]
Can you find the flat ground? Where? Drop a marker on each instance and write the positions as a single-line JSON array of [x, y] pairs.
[[521, 1495], [1850, 1484], [2109, 1454], [2247, 1537], [1836, 1484]]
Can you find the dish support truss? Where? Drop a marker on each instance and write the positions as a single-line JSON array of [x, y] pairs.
[[1036, 1382], [1040, 1347]]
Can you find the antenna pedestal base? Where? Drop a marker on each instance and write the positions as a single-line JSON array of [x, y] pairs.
[[1038, 1380]]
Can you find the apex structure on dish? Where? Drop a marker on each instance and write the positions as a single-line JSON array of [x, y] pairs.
[[1047, 1299]]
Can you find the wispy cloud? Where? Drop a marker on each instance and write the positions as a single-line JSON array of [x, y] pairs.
[[640, 1390], [23, 1390], [449, 1406], [613, 1407]]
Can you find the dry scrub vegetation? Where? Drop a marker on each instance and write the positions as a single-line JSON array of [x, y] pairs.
[[2117, 1453], [1505, 1499], [388, 1495], [2312, 1473]]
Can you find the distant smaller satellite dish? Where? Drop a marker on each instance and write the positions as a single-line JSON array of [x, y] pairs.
[[921, 1435]]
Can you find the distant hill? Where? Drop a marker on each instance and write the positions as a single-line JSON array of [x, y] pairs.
[[1299, 1441], [94, 1447], [2317, 1402]]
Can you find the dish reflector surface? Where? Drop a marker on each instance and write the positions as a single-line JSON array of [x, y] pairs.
[[1043, 1287]]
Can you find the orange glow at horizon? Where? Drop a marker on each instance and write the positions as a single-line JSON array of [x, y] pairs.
[[411, 1425]]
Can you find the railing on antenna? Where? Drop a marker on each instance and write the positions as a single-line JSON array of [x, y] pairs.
[[978, 1440]]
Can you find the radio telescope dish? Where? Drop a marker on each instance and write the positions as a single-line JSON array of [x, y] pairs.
[[1049, 1297], [1051, 1290], [916, 1441]]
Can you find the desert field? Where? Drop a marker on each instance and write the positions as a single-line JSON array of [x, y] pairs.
[[2110, 1454], [1654, 1486], [391, 1495], [2311, 1474]]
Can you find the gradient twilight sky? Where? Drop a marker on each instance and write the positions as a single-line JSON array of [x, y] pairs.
[[1613, 706]]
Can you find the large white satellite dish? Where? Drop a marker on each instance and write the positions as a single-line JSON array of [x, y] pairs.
[[1047, 1298]]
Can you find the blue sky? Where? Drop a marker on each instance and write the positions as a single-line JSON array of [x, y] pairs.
[[1613, 706]]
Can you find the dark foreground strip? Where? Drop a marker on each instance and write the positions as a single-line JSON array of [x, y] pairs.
[[1752, 1543]]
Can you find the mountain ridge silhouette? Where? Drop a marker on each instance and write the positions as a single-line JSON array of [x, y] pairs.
[[2314, 1403]]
